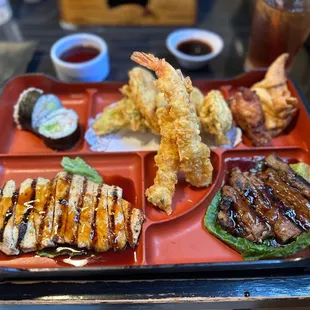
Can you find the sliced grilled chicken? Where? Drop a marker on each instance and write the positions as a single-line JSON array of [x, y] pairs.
[[87, 212], [6, 218], [101, 240], [21, 212], [77, 190], [42, 198], [117, 225], [47, 224], [134, 218], [68, 209], [63, 183]]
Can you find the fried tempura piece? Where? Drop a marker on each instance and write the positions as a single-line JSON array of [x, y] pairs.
[[247, 111], [196, 98], [122, 114], [215, 116], [143, 93], [167, 161], [194, 155], [278, 105]]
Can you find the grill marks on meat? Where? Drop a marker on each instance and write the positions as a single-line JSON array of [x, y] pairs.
[[270, 203], [236, 216], [294, 203], [288, 175], [67, 209]]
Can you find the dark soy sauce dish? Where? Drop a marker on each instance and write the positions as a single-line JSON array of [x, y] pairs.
[[194, 47], [78, 54]]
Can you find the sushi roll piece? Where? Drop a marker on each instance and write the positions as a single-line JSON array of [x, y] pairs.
[[60, 130], [23, 109], [45, 105]]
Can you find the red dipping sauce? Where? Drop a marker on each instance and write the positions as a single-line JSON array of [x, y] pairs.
[[78, 54]]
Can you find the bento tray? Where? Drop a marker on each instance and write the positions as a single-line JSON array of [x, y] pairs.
[[173, 243]]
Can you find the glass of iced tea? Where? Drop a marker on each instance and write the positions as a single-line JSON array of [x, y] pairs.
[[279, 26]]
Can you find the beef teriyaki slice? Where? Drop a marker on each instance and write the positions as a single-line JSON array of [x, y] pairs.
[[288, 175]]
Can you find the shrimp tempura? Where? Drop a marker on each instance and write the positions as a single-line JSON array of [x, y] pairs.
[[167, 161], [194, 155]]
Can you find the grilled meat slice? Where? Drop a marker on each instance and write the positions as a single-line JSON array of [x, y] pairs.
[[42, 198], [288, 175], [89, 215], [238, 219], [22, 209], [284, 229], [63, 183], [296, 206], [47, 223], [101, 240], [84, 239], [117, 224], [77, 190], [246, 108], [8, 200], [134, 218]]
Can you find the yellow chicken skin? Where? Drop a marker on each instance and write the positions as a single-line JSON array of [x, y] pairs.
[[215, 116], [194, 155]]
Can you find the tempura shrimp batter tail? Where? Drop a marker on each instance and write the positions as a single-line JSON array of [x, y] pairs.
[[194, 155]]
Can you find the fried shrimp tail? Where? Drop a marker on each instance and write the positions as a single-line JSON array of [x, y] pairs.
[[194, 155]]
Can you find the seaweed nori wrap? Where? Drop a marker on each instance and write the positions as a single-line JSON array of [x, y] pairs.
[[60, 130], [23, 109]]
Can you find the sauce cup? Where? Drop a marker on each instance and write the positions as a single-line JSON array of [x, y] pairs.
[[192, 61], [94, 70]]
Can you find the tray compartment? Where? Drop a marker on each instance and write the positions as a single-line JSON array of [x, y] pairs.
[[186, 197], [186, 240], [122, 170], [15, 141]]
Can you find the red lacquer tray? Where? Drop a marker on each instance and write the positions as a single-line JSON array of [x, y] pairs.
[[176, 243]]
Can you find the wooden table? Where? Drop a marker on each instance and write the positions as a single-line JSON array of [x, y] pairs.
[[209, 290]]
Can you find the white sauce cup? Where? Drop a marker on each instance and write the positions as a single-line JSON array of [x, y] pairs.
[[94, 70]]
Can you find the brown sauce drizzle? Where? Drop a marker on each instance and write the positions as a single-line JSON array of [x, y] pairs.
[[24, 222], [78, 209], [47, 202], [8, 214], [93, 235], [128, 224], [64, 208], [112, 219]]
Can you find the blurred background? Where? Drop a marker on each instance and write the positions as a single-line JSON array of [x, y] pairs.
[[45, 21]]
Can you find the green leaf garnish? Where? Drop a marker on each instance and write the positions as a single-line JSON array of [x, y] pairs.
[[302, 169], [250, 250], [80, 167], [60, 251]]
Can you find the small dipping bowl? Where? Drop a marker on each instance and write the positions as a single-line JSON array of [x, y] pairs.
[[192, 61], [94, 70]]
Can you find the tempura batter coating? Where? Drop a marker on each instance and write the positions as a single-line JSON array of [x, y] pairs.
[[215, 116], [167, 161], [122, 114], [194, 155], [143, 93]]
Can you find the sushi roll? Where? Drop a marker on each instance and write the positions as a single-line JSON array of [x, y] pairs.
[[60, 129], [23, 109], [43, 107]]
